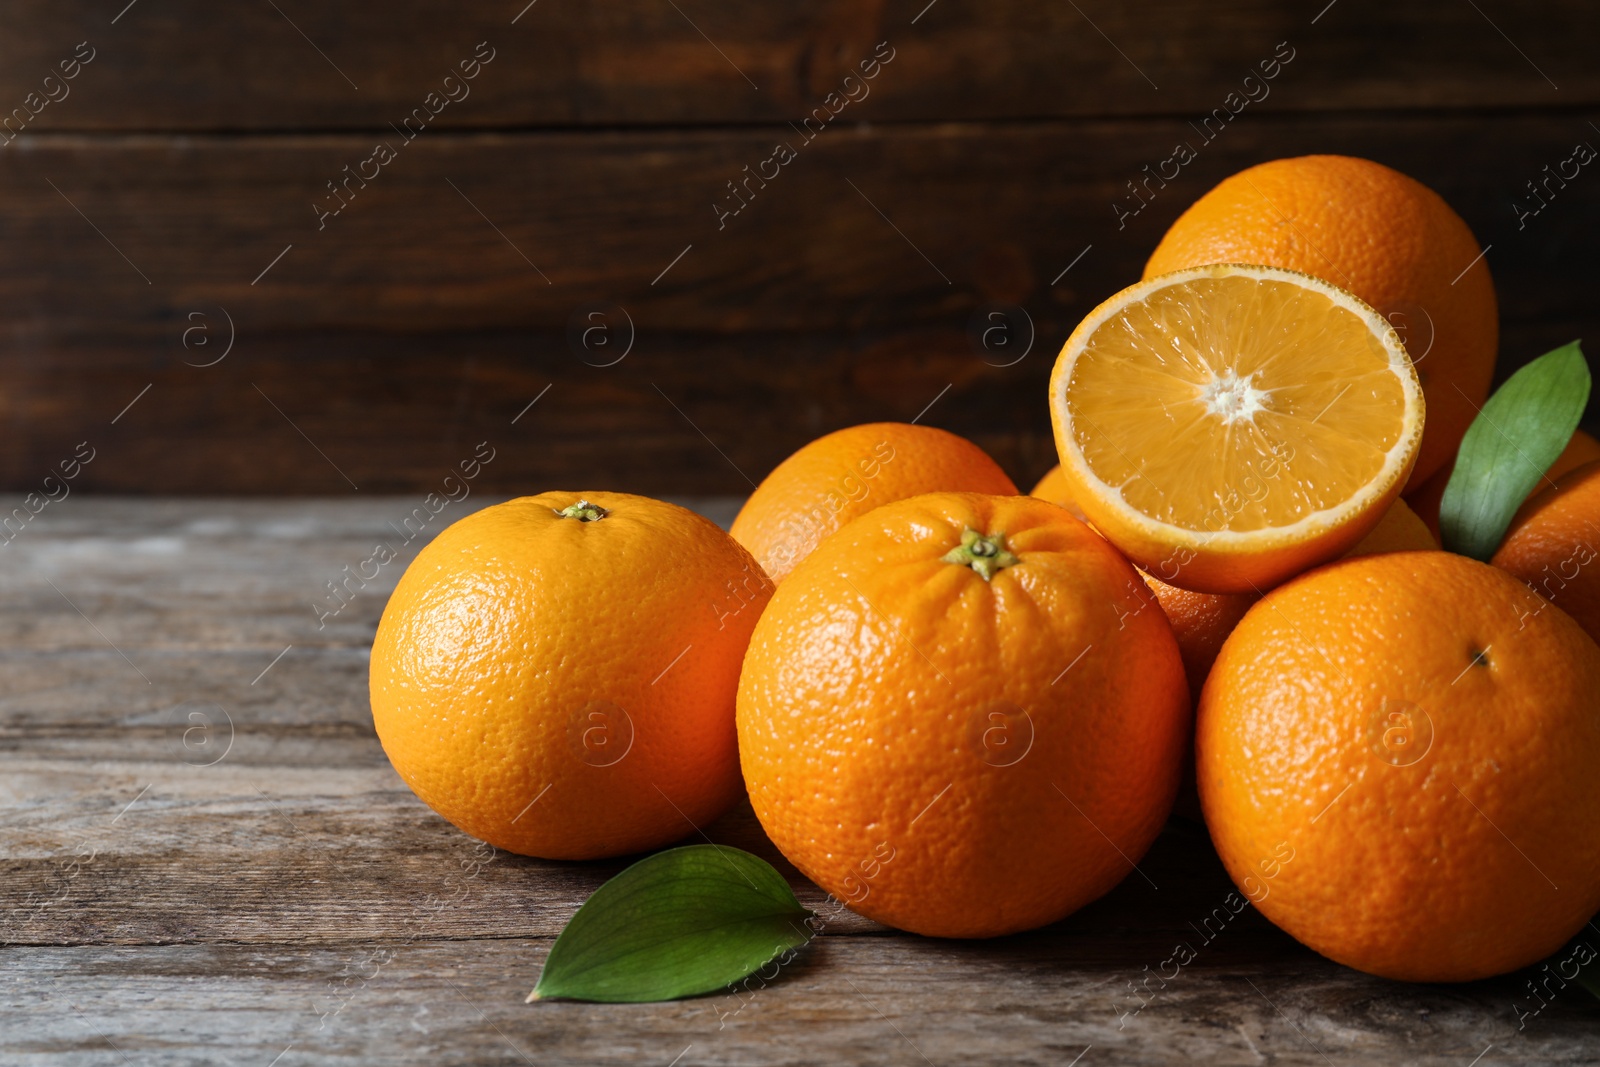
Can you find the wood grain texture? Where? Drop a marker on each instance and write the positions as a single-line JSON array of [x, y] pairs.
[[855, 1000], [214, 556], [292, 898], [412, 326], [866, 229], [188, 65], [176, 194]]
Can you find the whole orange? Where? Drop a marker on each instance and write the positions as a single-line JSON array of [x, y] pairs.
[[848, 473], [556, 674], [1396, 762], [1385, 237], [1553, 543], [963, 715], [1425, 499]]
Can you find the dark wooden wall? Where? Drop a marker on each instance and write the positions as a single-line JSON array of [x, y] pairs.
[[150, 209]]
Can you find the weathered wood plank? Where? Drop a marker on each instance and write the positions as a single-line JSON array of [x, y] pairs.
[[756, 396], [89, 575], [81, 693], [998, 211], [187, 65], [806, 312], [204, 861], [177, 595], [302, 834], [866, 1000]]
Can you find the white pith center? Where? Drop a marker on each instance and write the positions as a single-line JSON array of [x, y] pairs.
[[1232, 398]]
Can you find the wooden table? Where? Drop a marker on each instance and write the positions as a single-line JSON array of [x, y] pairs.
[[208, 860]]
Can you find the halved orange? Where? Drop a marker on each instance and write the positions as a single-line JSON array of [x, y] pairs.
[[1230, 426]]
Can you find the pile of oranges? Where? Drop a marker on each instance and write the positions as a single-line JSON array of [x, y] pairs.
[[969, 712]]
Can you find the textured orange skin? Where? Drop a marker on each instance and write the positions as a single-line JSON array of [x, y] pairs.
[[1385, 237], [1402, 867], [509, 623], [1202, 621], [856, 748], [1554, 545], [1425, 500], [845, 474]]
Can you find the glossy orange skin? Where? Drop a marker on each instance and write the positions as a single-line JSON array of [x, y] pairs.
[[1385, 237], [1389, 796], [848, 473], [514, 638], [1202, 621], [937, 751], [1554, 545], [1425, 500]]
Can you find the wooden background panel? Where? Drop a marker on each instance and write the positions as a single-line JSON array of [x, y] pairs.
[[541, 223], [189, 65], [410, 328], [982, 212], [396, 413]]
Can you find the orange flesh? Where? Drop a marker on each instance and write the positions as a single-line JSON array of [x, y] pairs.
[[1235, 403]]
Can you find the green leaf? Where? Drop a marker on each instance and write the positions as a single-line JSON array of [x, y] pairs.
[[1521, 430], [684, 921]]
